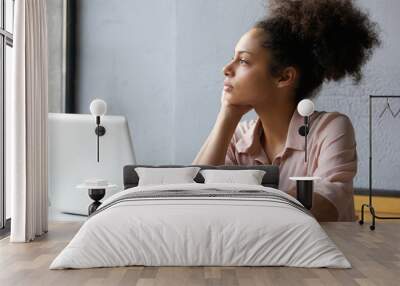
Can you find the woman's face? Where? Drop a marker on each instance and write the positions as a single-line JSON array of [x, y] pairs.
[[247, 77]]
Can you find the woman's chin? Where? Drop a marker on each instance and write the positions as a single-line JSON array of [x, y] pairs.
[[229, 95], [232, 98], [227, 91]]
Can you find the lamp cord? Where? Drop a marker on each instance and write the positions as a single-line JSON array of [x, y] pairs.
[[98, 143], [305, 137], [98, 136]]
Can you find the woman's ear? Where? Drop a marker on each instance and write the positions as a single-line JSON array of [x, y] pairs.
[[287, 77]]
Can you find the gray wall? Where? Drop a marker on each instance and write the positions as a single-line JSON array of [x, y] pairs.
[[159, 63], [126, 57], [206, 35], [382, 75]]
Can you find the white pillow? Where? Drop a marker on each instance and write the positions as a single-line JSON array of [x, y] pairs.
[[249, 177], [162, 176]]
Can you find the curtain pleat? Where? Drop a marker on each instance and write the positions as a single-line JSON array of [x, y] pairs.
[[29, 158], [44, 118], [15, 129]]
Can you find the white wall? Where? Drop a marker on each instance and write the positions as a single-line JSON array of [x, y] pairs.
[[159, 63]]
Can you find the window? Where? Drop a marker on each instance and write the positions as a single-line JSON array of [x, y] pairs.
[[6, 44]]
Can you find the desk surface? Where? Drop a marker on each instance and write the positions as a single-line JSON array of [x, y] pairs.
[[374, 255]]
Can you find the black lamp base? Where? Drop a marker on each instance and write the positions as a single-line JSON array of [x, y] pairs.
[[96, 195], [305, 192]]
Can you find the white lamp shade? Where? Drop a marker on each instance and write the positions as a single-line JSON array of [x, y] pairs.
[[305, 107], [98, 107]]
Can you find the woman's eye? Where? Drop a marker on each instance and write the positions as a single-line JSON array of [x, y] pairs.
[[243, 61]]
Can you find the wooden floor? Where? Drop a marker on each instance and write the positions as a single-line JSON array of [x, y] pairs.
[[374, 255]]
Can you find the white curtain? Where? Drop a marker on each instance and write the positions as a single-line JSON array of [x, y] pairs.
[[26, 120]]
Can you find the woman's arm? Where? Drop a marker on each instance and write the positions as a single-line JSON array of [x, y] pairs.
[[213, 151], [337, 167]]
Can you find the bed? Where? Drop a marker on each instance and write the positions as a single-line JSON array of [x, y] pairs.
[[201, 224]]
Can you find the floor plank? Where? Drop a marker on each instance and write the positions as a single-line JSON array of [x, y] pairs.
[[374, 255]]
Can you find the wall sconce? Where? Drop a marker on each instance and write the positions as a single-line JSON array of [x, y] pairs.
[[305, 185], [98, 107], [305, 108]]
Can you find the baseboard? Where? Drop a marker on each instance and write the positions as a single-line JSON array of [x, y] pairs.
[[382, 204]]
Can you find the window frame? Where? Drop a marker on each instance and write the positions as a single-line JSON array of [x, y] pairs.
[[6, 39], [71, 15]]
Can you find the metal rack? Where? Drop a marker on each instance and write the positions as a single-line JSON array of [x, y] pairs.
[[369, 205]]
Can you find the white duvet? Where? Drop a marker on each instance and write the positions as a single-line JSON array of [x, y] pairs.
[[200, 231]]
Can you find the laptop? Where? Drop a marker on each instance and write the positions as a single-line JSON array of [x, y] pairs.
[[73, 158]]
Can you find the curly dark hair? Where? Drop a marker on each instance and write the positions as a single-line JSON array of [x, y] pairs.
[[324, 39]]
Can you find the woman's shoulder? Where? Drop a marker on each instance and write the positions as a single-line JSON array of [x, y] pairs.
[[334, 118], [333, 123]]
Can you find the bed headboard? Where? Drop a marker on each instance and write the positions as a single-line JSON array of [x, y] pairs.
[[270, 179]]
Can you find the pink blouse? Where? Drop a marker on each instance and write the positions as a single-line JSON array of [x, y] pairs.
[[331, 155]]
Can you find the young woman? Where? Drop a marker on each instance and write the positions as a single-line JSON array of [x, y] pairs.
[[282, 60]]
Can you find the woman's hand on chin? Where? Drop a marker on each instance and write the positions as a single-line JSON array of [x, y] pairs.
[[233, 110]]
